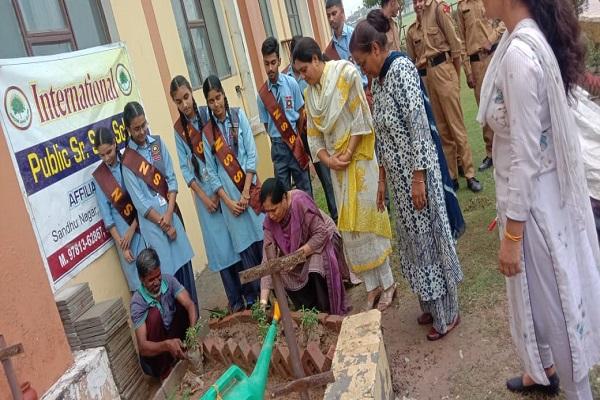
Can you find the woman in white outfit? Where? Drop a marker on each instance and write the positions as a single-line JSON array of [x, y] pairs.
[[549, 250]]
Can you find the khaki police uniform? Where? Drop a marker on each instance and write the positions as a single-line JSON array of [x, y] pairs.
[[477, 33], [440, 46], [415, 48], [393, 35]]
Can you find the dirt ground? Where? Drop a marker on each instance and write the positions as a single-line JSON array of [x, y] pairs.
[[472, 362]]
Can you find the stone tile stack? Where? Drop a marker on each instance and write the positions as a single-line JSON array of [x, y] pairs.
[[72, 302], [105, 324]]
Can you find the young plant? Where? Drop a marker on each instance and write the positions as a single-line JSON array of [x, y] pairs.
[[260, 316], [192, 336], [309, 318]]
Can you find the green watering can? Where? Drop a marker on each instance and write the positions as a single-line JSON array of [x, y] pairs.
[[235, 385]]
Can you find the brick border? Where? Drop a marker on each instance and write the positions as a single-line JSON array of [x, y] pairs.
[[243, 354]]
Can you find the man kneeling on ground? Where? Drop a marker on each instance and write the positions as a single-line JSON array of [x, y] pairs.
[[161, 311]]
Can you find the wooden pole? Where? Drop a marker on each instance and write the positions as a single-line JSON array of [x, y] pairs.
[[289, 332], [9, 371]]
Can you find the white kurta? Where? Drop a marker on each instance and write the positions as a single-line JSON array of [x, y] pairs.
[[527, 189]]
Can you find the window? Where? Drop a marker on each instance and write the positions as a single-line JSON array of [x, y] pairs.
[[293, 17], [44, 27], [203, 56], [265, 12]]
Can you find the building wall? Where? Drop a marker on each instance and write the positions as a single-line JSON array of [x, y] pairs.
[[27, 311]]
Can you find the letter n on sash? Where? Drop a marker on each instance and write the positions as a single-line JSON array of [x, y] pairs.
[[144, 167]]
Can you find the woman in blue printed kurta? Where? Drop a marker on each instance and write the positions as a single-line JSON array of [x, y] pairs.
[[160, 226], [128, 242], [221, 255], [245, 226]]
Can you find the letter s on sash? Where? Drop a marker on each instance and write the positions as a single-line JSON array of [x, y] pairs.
[[128, 209], [156, 179], [238, 176]]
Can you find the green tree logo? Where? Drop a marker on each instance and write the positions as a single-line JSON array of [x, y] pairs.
[[123, 79], [17, 108]]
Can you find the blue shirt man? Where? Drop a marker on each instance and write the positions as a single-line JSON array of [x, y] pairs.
[[341, 33], [287, 94]]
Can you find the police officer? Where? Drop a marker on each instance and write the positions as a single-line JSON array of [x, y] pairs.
[[415, 48], [442, 51], [480, 36], [392, 11]]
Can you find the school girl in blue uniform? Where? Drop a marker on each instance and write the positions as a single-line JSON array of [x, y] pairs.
[[160, 225], [128, 241], [243, 223], [221, 255]]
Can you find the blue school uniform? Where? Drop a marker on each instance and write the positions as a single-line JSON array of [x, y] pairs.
[[173, 254], [246, 228], [288, 95], [217, 241], [111, 218]]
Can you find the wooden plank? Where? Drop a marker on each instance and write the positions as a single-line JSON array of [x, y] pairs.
[[272, 266], [303, 384], [11, 351]]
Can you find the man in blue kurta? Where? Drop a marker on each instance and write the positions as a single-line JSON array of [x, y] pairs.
[[287, 93], [161, 312]]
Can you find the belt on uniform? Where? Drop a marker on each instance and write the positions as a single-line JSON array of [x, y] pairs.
[[477, 56], [437, 59], [423, 72]]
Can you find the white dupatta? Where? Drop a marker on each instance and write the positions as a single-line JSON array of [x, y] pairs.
[[569, 165]]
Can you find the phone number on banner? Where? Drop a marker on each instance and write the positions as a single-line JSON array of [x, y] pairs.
[[68, 256]]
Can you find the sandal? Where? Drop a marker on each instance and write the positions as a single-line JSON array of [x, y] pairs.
[[371, 303], [387, 297], [434, 335], [425, 319]]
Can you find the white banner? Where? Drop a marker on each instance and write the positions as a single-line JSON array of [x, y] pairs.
[[51, 107]]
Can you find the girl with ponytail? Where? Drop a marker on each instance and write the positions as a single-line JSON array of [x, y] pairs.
[[243, 223], [218, 245], [160, 224], [548, 248], [107, 177]]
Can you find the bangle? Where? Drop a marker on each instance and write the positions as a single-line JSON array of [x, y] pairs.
[[512, 238], [418, 181], [247, 197]]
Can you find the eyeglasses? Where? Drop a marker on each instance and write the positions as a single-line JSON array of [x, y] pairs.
[[141, 128]]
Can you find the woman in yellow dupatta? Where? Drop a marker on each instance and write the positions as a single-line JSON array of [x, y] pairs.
[[341, 135]]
